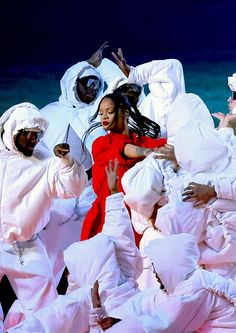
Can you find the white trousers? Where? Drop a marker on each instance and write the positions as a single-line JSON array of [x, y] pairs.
[[64, 227], [28, 270]]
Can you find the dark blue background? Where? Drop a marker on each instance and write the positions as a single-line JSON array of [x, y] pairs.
[[60, 33], [50, 32]]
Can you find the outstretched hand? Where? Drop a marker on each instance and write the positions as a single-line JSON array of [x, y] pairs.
[[167, 152], [226, 120], [120, 61], [97, 56], [105, 322], [111, 172], [198, 193], [61, 149]]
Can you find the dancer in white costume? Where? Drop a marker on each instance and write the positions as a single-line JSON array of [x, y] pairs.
[[165, 80], [194, 300], [159, 176], [29, 183], [206, 158], [111, 257], [197, 300], [82, 87]]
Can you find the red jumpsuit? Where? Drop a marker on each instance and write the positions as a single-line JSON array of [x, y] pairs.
[[104, 149]]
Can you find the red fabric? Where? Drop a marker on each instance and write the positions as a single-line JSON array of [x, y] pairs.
[[104, 149]]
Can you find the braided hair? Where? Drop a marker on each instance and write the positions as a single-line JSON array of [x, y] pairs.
[[133, 91]]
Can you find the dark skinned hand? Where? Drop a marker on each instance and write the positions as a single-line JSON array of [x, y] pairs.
[[61, 149]]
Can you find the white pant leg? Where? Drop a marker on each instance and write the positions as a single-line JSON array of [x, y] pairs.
[[64, 227], [14, 316], [28, 269]]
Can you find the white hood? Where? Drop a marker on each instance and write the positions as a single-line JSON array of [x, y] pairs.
[[186, 106], [96, 260], [20, 116], [168, 81], [69, 95], [199, 148], [174, 258]]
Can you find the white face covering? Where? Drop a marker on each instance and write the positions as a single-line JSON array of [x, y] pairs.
[[174, 258], [186, 107], [199, 148], [96, 260]]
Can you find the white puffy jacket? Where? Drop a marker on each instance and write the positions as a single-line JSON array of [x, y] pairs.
[[29, 184]]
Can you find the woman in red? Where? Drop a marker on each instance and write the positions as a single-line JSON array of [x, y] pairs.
[[128, 141]]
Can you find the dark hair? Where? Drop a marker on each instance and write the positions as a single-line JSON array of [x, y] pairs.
[[136, 122], [131, 90]]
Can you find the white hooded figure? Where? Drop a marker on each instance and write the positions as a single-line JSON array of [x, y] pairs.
[[206, 159], [29, 183], [165, 80], [112, 258], [194, 300], [68, 121], [159, 176], [197, 300]]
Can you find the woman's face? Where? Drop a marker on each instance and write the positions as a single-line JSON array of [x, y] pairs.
[[112, 119]]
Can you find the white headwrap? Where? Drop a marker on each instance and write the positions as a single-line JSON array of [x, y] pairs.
[[199, 148], [185, 108], [21, 116], [174, 258], [96, 260], [232, 82]]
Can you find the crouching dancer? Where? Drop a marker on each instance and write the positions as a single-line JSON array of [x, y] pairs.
[[197, 300]]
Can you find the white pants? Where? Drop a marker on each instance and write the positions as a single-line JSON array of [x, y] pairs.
[[64, 227], [28, 270]]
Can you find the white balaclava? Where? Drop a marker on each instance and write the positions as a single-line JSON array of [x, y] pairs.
[[68, 83], [199, 148], [186, 107], [93, 264], [21, 116], [174, 257]]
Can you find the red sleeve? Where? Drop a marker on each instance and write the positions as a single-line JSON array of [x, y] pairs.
[[104, 149], [108, 148], [151, 143]]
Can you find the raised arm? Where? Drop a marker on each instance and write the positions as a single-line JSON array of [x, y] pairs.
[[96, 58], [66, 177], [118, 226]]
